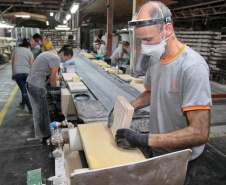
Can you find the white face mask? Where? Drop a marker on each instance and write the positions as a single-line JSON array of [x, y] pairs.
[[155, 50]]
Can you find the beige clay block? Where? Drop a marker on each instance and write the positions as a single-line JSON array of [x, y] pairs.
[[138, 86], [123, 114], [76, 88], [125, 77], [101, 150]]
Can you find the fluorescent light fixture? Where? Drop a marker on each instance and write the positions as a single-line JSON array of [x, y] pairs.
[[68, 16], [6, 26], [62, 28], [3, 21], [51, 13], [32, 2], [47, 23], [65, 21], [74, 7], [23, 16]]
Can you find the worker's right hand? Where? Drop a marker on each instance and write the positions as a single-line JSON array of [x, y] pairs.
[[110, 118], [12, 77], [128, 139]]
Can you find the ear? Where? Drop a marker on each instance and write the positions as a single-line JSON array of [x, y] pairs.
[[61, 54], [168, 29]]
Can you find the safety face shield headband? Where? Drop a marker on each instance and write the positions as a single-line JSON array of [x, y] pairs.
[[147, 36]]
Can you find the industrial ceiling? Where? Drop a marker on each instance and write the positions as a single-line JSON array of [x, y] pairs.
[[94, 11]]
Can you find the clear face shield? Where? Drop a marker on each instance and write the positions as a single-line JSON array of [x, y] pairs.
[[147, 38]]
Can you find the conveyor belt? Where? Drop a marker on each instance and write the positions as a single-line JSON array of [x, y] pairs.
[[104, 87]]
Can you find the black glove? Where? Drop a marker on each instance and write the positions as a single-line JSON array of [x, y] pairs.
[[126, 138]]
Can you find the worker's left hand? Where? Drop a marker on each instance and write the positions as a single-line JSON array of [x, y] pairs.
[[12, 77], [126, 138], [126, 61]]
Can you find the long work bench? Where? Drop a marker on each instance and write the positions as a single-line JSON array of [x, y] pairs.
[[103, 86]]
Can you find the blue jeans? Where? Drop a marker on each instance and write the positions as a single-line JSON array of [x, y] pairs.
[[40, 110], [21, 81]]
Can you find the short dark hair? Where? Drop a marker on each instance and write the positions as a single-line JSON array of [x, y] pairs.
[[125, 43], [47, 36], [67, 50], [97, 42], [37, 36], [25, 43], [100, 35]]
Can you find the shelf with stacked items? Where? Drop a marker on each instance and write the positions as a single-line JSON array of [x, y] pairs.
[[212, 46]]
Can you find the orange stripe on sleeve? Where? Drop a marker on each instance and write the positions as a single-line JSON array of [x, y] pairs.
[[146, 88], [31, 59], [12, 57], [54, 68], [195, 108]]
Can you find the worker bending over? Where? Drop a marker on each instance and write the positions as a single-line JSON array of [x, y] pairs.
[[47, 45], [177, 88], [101, 50], [46, 63], [118, 54], [22, 59]]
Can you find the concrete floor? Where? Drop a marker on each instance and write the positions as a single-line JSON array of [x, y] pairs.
[[17, 155]]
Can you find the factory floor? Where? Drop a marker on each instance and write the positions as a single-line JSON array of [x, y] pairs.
[[20, 154]]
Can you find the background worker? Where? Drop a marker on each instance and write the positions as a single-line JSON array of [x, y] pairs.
[[47, 44], [118, 54], [19, 40], [101, 50], [36, 45], [46, 63], [177, 88], [99, 38], [22, 59]]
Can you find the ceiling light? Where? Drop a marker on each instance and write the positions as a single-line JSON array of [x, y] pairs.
[[47, 23], [74, 7], [51, 13], [32, 2], [23, 16], [62, 28], [3, 21], [61, 25], [68, 16], [65, 21], [6, 25]]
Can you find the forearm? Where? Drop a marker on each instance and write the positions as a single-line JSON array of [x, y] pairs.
[[142, 101], [33, 45], [195, 134], [53, 82], [187, 137], [12, 64], [53, 78]]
